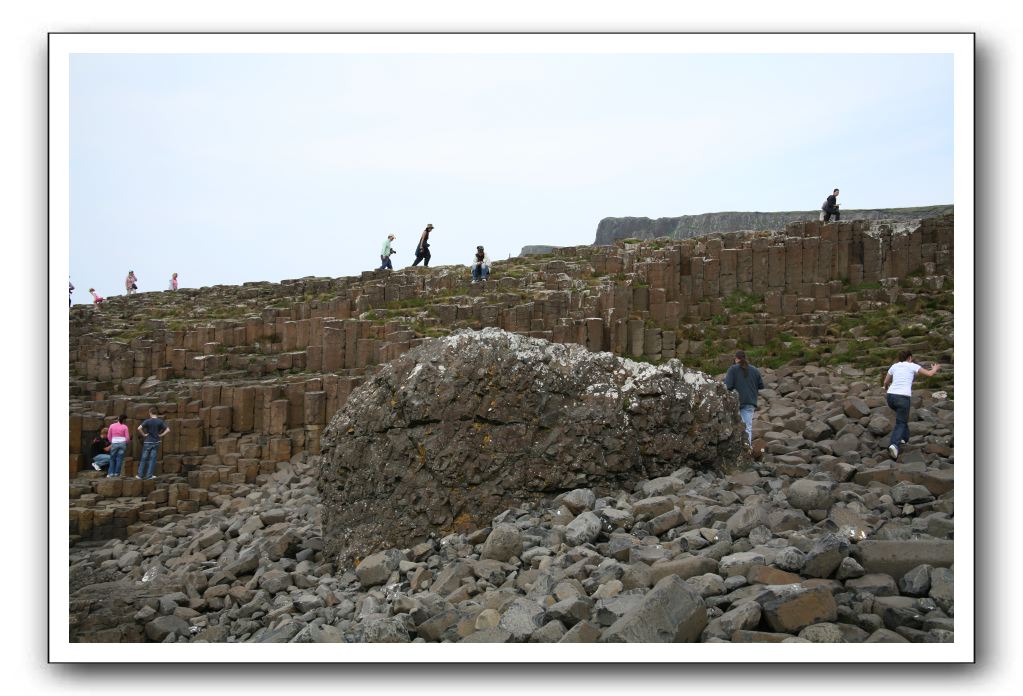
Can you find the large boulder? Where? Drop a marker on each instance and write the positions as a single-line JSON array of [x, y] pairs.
[[459, 428]]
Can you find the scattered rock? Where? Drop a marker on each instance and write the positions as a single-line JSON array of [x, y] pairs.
[[671, 612]]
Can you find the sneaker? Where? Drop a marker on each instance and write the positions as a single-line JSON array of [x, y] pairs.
[[894, 451], [150, 478], [139, 478], [95, 466]]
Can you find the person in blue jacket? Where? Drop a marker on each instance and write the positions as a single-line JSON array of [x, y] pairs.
[[746, 380]]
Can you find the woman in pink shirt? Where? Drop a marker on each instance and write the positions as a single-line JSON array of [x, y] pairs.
[[119, 438], [173, 282], [131, 283]]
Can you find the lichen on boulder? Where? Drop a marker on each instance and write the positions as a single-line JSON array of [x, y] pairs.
[[462, 427]]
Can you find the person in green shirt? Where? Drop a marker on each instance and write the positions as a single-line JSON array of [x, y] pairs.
[[385, 254]]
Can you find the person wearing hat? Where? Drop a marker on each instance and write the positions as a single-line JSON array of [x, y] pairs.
[[385, 254], [480, 266], [746, 380], [423, 248]]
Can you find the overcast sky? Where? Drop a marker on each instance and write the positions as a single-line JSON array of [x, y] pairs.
[[235, 168]]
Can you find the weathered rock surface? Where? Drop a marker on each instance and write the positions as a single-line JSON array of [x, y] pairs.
[[459, 428]]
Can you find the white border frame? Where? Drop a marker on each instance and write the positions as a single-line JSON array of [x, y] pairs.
[[960, 45]]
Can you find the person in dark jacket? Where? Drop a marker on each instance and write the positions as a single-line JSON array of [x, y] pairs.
[[745, 379], [830, 207], [100, 451], [423, 248]]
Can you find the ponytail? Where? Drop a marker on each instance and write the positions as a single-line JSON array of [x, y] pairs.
[[743, 363]]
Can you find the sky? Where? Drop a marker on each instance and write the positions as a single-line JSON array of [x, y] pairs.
[[229, 168]]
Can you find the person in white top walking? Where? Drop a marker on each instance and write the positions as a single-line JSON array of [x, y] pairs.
[[899, 383]]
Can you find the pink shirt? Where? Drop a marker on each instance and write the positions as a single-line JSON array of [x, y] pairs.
[[118, 430]]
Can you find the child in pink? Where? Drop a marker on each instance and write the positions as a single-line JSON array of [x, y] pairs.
[[96, 299]]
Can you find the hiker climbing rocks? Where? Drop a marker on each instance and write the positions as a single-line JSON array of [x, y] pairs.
[[480, 266], [96, 299], [385, 254], [423, 248], [153, 428], [746, 380], [830, 207], [899, 383]]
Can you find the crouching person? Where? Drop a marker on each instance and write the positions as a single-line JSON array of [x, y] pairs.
[[480, 266]]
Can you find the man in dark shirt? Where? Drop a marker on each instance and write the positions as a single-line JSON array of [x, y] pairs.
[[100, 453], [745, 379], [153, 428], [830, 207]]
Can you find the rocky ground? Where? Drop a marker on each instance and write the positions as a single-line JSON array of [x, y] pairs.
[[825, 539]]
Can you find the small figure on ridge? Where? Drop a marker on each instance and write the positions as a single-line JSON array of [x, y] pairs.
[[96, 299], [830, 207], [423, 248], [385, 254], [480, 266], [173, 285], [131, 283]]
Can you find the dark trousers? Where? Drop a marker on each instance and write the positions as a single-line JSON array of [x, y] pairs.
[[899, 404], [829, 213], [424, 256]]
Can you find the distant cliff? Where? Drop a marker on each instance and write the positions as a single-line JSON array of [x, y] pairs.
[[532, 249], [611, 229]]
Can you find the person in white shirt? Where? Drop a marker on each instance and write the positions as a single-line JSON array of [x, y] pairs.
[[480, 265], [899, 383]]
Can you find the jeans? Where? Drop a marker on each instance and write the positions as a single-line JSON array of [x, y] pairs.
[[899, 404], [147, 462], [116, 458], [100, 460], [480, 270], [828, 214], [746, 413]]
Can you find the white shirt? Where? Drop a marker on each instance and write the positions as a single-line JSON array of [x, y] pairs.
[[902, 378]]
